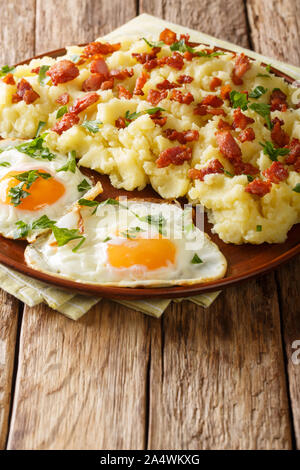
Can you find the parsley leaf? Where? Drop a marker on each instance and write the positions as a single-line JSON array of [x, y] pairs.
[[297, 188], [258, 92], [239, 100], [5, 164], [92, 126], [16, 194], [43, 78], [65, 235], [154, 110], [272, 152], [258, 228], [34, 148], [43, 222], [39, 128], [264, 111], [181, 46], [23, 229], [131, 117], [5, 70], [196, 259], [31, 176], [154, 44], [71, 163], [61, 111], [130, 233], [157, 220], [250, 178], [84, 186]]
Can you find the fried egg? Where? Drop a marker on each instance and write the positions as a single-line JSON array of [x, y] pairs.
[[128, 244], [34, 187]]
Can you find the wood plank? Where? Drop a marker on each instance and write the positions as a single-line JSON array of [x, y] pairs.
[[81, 385], [66, 22], [281, 40], [23, 45], [217, 376]]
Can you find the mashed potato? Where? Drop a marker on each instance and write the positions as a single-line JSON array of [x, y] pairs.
[[129, 155]]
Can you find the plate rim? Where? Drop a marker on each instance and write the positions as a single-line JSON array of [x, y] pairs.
[[138, 293]]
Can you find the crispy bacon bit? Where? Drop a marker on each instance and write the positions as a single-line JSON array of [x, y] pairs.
[[100, 66], [188, 55], [108, 84], [151, 64], [240, 120], [63, 99], [144, 57], [276, 173], [186, 39], [155, 96], [184, 79], [123, 92], [228, 146], [25, 92], [183, 98], [84, 102], [215, 82], [35, 70], [121, 74], [294, 154], [158, 119], [167, 36], [175, 61], [174, 155], [203, 110], [225, 92], [67, 121], [278, 135], [223, 125], [247, 135], [217, 111], [93, 82], [278, 100], [120, 123], [214, 166], [241, 66], [259, 187], [166, 85], [241, 168], [62, 71], [9, 79], [212, 100], [100, 48], [182, 137], [140, 83]]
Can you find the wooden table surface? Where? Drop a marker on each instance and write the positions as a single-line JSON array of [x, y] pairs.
[[220, 378]]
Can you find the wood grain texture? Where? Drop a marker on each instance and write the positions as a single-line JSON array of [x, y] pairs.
[[275, 26], [281, 40], [8, 331], [23, 45], [66, 22], [207, 16], [81, 385]]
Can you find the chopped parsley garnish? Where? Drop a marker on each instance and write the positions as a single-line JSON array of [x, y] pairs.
[[130, 233], [258, 228], [39, 128], [227, 173], [71, 163], [84, 185], [23, 229], [157, 220], [181, 46], [35, 149], [239, 100], [250, 178], [266, 75], [272, 152], [131, 117], [154, 110], [5, 164], [17, 193], [5, 70], [263, 110], [196, 259], [89, 203], [43, 78], [154, 44], [106, 239], [43, 222], [258, 92], [65, 235], [61, 111], [297, 188], [92, 126]]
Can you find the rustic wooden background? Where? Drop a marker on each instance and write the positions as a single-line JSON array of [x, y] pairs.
[[196, 379]]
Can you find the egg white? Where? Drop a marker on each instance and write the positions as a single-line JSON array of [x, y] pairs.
[[109, 225], [21, 162]]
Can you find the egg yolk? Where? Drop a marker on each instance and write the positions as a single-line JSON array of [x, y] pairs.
[[152, 253], [42, 192]]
